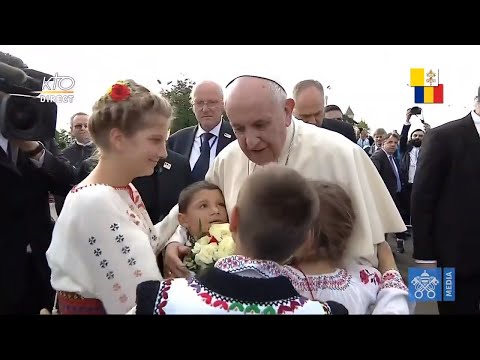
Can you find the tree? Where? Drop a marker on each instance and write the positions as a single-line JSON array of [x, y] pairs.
[[63, 138], [362, 124], [179, 96]]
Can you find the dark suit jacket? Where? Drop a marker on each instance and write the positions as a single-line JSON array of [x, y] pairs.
[[182, 141], [75, 154], [381, 162], [446, 198], [24, 194], [161, 190], [340, 127]]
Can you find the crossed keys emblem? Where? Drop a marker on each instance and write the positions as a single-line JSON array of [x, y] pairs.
[[430, 78]]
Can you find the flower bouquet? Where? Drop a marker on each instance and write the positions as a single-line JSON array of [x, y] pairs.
[[216, 244]]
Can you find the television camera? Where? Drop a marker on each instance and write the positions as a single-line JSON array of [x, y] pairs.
[[23, 115]]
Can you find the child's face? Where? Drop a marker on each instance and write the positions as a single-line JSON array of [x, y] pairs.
[[207, 208]]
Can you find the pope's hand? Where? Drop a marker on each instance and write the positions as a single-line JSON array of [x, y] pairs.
[[174, 254]]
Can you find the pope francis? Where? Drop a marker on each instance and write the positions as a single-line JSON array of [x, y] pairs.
[[261, 116]]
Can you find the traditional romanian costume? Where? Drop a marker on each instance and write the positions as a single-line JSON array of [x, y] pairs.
[[236, 285], [361, 289], [104, 244]]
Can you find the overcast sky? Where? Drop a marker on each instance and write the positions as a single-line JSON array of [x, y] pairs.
[[372, 80]]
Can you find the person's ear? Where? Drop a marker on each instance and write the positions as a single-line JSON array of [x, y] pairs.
[[289, 105], [234, 219], [182, 219]]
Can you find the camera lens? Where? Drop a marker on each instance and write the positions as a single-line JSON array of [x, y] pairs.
[[21, 113]]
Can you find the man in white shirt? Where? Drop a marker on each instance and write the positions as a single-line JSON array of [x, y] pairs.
[[261, 116], [446, 207]]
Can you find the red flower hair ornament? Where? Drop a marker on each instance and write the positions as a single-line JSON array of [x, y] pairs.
[[119, 92]]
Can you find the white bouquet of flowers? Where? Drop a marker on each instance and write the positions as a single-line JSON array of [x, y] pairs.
[[214, 245]]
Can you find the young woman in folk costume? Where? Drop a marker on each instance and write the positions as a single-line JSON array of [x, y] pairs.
[[104, 242]]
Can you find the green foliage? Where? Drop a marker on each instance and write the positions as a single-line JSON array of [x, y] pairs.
[[363, 124], [63, 138], [179, 96]]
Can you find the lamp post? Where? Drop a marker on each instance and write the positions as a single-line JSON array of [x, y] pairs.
[[326, 96]]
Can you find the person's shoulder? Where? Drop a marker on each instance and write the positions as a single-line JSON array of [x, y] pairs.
[[148, 292], [377, 154], [449, 127], [231, 151], [324, 139], [175, 157], [182, 132], [69, 148], [337, 124], [95, 195], [364, 274]]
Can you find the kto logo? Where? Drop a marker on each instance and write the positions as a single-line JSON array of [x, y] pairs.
[[428, 284], [58, 89]]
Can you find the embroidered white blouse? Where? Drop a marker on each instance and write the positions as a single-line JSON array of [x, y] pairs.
[[361, 289], [104, 244], [236, 286]]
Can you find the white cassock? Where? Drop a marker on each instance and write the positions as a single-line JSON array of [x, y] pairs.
[[317, 154]]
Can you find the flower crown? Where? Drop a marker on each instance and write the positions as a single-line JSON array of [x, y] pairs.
[[120, 91]]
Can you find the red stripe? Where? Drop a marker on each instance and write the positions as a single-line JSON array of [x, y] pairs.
[[68, 305], [438, 94]]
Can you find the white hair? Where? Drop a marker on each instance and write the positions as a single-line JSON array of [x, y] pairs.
[[194, 88]]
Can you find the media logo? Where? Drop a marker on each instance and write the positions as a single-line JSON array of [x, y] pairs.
[[431, 284], [426, 82], [58, 89]]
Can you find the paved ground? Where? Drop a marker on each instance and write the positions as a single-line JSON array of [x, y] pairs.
[[404, 261]]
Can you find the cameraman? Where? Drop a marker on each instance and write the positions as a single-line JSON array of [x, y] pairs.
[[28, 172]]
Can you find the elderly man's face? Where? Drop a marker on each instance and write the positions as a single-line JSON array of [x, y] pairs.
[[208, 105], [309, 106], [259, 121]]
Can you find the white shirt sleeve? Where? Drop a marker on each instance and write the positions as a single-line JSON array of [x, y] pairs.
[[392, 299], [168, 229], [38, 163]]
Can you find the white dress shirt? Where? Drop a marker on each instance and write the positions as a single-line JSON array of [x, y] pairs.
[[413, 164], [14, 150], [197, 143]]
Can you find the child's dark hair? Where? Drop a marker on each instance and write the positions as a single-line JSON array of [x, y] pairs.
[[277, 208], [334, 225], [187, 194]]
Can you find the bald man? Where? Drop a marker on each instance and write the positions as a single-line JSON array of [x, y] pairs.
[[261, 116], [202, 143]]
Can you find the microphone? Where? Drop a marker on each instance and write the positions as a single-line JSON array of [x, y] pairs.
[[12, 74], [12, 60]]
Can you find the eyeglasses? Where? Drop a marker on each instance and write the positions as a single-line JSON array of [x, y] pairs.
[[208, 104], [79, 126]]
